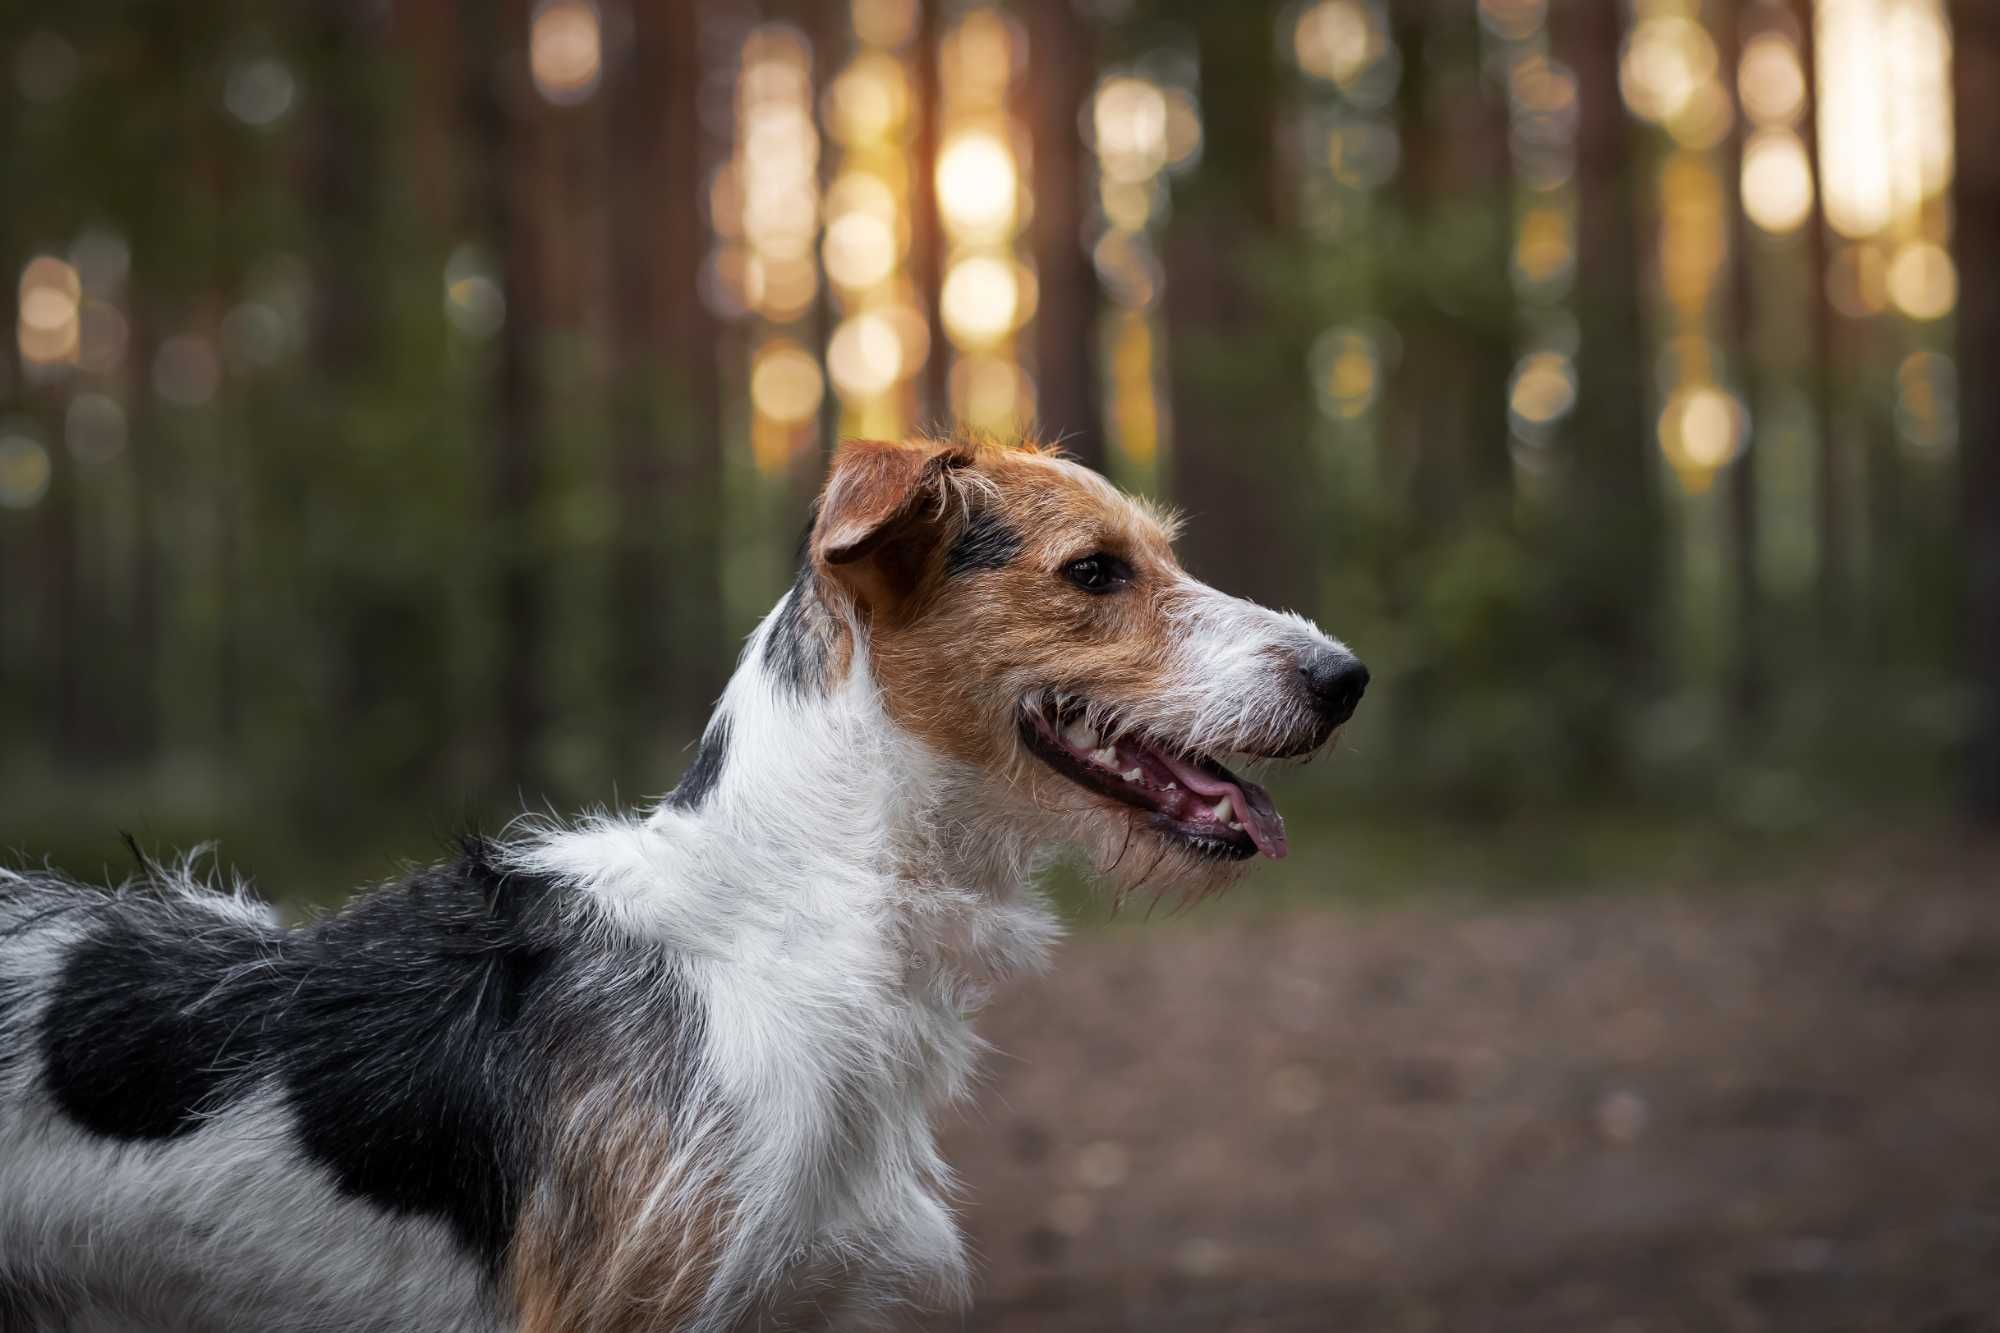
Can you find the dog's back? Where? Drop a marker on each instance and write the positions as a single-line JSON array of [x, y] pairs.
[[209, 1121]]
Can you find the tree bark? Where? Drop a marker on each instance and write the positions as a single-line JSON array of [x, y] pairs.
[[1831, 499], [926, 228], [1458, 330], [1611, 522], [1977, 68], [1748, 683], [642, 81], [1061, 70], [503, 210], [696, 451], [1229, 369]]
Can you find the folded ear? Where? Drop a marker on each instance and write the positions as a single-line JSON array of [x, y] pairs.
[[881, 501], [876, 488]]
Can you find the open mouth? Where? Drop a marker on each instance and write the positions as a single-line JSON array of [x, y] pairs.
[[1193, 800]]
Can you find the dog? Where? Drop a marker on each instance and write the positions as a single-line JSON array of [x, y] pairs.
[[673, 1070]]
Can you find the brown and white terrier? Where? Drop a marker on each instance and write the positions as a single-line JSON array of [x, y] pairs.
[[672, 1070]]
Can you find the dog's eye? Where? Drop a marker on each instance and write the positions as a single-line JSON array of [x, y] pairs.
[[1098, 573]]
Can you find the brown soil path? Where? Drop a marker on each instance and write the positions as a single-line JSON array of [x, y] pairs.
[[1639, 1114]]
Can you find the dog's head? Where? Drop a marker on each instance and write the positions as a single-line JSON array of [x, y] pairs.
[[1027, 619]]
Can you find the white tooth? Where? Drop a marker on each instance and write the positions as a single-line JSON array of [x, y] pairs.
[[1107, 757], [1172, 786], [1223, 810], [1082, 737], [1238, 827], [1130, 775]]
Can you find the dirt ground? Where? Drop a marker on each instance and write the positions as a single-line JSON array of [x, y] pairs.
[[1633, 1113]]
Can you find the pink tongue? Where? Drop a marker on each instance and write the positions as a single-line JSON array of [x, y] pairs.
[[1252, 804]]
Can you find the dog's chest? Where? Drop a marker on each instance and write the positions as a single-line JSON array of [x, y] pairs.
[[837, 1048]]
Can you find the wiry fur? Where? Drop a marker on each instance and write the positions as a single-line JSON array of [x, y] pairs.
[[667, 1070]]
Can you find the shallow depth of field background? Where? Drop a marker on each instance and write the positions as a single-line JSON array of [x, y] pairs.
[[411, 404]]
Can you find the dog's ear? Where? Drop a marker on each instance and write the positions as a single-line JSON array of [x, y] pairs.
[[883, 507]]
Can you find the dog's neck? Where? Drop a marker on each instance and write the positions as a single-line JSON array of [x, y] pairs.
[[808, 810]]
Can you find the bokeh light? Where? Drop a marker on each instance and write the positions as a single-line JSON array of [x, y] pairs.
[[785, 383], [1667, 61], [864, 356], [979, 57], [1704, 120], [1885, 123], [1702, 428], [1183, 129], [869, 100], [859, 249], [1927, 401], [790, 283], [991, 393], [1544, 253], [1923, 281], [1771, 80], [1129, 120], [24, 470], [1346, 370], [566, 50], [259, 92], [254, 336], [976, 184], [474, 301], [48, 313], [1777, 181], [1336, 40], [1542, 390], [981, 302]]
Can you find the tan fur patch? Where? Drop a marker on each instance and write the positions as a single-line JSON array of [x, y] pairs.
[[614, 1240]]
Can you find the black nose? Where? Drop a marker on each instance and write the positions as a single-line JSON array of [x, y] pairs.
[[1335, 680]]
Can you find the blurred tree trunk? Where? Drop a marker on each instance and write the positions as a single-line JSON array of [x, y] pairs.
[[1450, 402], [1238, 424], [1611, 522], [1061, 69], [642, 81], [428, 30], [1977, 64], [1832, 497], [831, 33], [63, 599], [694, 437], [1748, 685], [139, 717], [345, 166], [345, 169], [504, 196], [926, 229]]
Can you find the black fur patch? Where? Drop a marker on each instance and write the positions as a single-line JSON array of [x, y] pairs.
[[398, 1030], [706, 770], [988, 542], [795, 651], [400, 1049], [157, 1017]]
